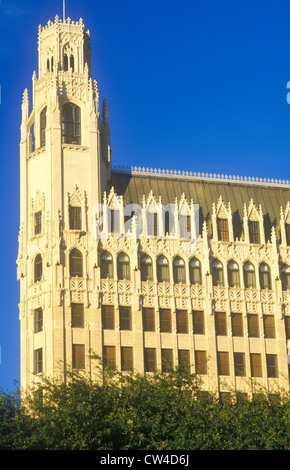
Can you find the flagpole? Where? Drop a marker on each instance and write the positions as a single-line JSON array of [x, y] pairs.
[[64, 10]]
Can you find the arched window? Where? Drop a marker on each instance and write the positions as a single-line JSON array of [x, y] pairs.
[[195, 271], [233, 274], [71, 124], [217, 273], [38, 268], [123, 267], [162, 269], [249, 275], [42, 126], [265, 276], [178, 270], [146, 268], [106, 265], [285, 275], [76, 263], [65, 62]]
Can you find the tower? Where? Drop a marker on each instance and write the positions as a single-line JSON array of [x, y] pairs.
[[65, 164]]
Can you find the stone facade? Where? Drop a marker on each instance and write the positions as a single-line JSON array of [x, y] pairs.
[[213, 290]]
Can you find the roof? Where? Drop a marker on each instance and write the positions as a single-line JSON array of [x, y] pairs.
[[204, 190]]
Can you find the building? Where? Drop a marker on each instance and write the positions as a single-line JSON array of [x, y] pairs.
[[147, 268]]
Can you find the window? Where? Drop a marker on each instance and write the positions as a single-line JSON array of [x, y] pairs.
[[184, 358], [146, 268], [233, 274], [249, 276], [198, 322], [115, 221], [71, 124], [217, 273], [148, 319], [265, 276], [178, 270], [200, 362], [182, 321], [287, 229], [223, 363], [37, 223], [167, 359], [254, 231], [77, 315], [38, 320], [108, 317], [285, 276], [222, 227], [38, 361], [109, 357], [75, 218], [239, 362], [43, 126], [78, 356], [162, 269], [123, 267], [126, 358], [269, 326], [106, 265], [256, 365], [149, 359], [38, 268], [195, 271], [253, 325], [272, 365], [125, 318], [76, 263], [237, 324], [221, 323], [287, 327], [152, 223], [184, 225], [165, 320]]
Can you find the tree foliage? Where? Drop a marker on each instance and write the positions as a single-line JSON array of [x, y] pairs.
[[140, 412]]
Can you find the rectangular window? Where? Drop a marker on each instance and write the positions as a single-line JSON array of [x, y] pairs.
[[253, 325], [77, 315], [198, 322], [125, 318], [287, 229], [78, 356], [269, 326], [222, 226], [38, 320], [37, 223], [256, 365], [221, 323], [109, 356], [38, 361], [254, 231], [200, 362], [148, 319], [183, 358], [115, 221], [223, 363], [108, 317], [272, 365], [239, 361], [237, 324], [182, 321], [126, 358], [150, 359], [75, 218], [165, 320], [287, 327], [167, 359], [184, 226]]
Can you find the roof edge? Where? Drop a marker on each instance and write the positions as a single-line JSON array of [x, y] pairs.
[[200, 176]]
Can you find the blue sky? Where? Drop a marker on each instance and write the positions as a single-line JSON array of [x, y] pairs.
[[195, 85]]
